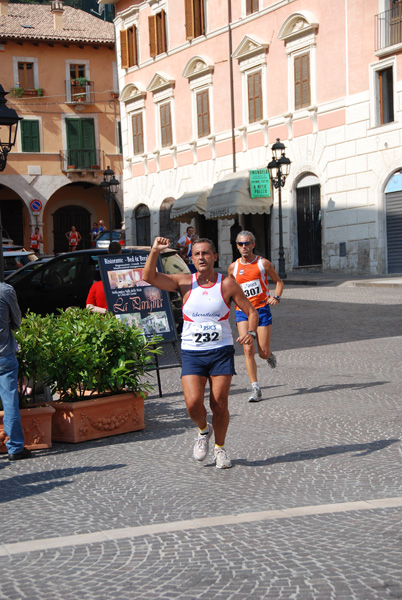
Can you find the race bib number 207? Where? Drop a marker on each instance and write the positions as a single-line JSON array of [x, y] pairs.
[[203, 333]]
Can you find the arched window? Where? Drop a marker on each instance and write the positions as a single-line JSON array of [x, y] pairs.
[[143, 225]]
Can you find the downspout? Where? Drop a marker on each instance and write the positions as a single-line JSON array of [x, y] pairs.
[[232, 108]]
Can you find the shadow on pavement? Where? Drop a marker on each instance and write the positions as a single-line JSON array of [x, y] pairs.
[[32, 484], [326, 388], [362, 449]]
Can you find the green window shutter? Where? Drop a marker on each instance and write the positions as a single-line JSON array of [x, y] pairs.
[[30, 135], [81, 142]]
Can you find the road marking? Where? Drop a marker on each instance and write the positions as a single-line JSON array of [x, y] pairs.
[[84, 539]]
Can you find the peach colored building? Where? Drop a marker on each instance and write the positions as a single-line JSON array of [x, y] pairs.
[[59, 64], [207, 86]]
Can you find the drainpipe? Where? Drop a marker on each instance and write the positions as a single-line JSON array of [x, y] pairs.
[[232, 111]]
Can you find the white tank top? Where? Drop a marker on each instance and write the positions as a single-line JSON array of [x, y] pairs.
[[206, 317]]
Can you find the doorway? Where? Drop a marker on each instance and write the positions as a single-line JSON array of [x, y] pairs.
[[308, 202], [63, 218]]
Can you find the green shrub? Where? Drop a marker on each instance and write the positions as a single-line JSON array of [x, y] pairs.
[[82, 354]]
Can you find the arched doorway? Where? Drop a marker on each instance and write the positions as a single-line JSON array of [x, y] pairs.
[[308, 202], [143, 225], [393, 204], [63, 218], [167, 227], [12, 216]]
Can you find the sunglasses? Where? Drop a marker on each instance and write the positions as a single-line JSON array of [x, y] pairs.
[[244, 243]]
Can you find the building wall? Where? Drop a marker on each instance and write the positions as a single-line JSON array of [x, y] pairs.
[[337, 137], [43, 175]]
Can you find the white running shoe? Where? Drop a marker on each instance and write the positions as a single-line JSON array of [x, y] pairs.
[[222, 460], [271, 360], [201, 445], [256, 395]]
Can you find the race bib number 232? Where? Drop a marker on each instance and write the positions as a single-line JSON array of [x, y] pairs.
[[203, 333]]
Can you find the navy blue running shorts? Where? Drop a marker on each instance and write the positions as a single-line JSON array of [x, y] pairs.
[[264, 314], [208, 363]]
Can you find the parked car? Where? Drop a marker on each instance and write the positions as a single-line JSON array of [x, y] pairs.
[[102, 240], [28, 268], [65, 280], [14, 259]]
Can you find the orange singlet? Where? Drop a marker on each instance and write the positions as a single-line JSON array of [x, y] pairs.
[[253, 280]]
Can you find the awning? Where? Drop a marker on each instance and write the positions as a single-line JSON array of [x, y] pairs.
[[231, 196], [189, 206]]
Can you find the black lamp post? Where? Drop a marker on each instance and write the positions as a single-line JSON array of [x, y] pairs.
[[8, 133], [279, 169], [109, 187]]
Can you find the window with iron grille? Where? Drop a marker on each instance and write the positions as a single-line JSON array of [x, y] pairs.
[[138, 133], [166, 125], [195, 18], [254, 93], [203, 118], [302, 80], [157, 33], [128, 47]]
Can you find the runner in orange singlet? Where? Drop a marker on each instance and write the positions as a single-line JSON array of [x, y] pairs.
[[74, 238], [251, 273], [36, 240]]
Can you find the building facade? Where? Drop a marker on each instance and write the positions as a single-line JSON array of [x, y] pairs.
[[207, 86], [59, 66]]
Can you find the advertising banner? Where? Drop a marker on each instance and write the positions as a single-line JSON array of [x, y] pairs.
[[133, 300]]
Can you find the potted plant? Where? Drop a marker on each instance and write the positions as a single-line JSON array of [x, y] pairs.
[[97, 367], [17, 92]]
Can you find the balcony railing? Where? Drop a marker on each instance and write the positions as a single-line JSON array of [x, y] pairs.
[[389, 27], [80, 160], [79, 90]]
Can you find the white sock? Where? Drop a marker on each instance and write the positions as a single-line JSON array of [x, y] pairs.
[[256, 385]]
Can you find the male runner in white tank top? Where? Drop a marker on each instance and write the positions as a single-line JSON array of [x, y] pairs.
[[207, 343]]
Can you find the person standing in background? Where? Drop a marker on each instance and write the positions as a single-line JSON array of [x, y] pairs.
[[36, 241], [10, 318]]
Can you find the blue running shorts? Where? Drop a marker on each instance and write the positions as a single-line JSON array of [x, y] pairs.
[[207, 363], [264, 314]]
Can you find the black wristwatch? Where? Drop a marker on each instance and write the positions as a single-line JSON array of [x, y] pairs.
[[277, 298], [252, 333]]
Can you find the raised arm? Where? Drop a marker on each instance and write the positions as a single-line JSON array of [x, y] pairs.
[[169, 283]]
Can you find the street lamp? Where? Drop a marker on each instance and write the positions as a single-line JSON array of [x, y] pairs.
[[279, 169], [109, 187], [8, 128], [8, 133]]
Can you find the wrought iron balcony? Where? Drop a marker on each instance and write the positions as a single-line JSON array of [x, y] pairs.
[[80, 160], [389, 27], [79, 90]]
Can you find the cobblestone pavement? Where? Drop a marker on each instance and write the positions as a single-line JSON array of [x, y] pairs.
[[312, 508]]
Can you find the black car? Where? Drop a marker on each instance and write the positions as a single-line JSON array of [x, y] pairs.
[[65, 281]]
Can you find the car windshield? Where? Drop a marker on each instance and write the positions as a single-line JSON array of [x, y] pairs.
[[28, 268], [105, 235]]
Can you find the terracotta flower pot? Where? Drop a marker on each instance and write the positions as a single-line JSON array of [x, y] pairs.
[[96, 418], [36, 425]]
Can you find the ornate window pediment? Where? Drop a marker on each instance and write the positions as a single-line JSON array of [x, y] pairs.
[[160, 81], [249, 46], [197, 66], [300, 23], [133, 91]]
